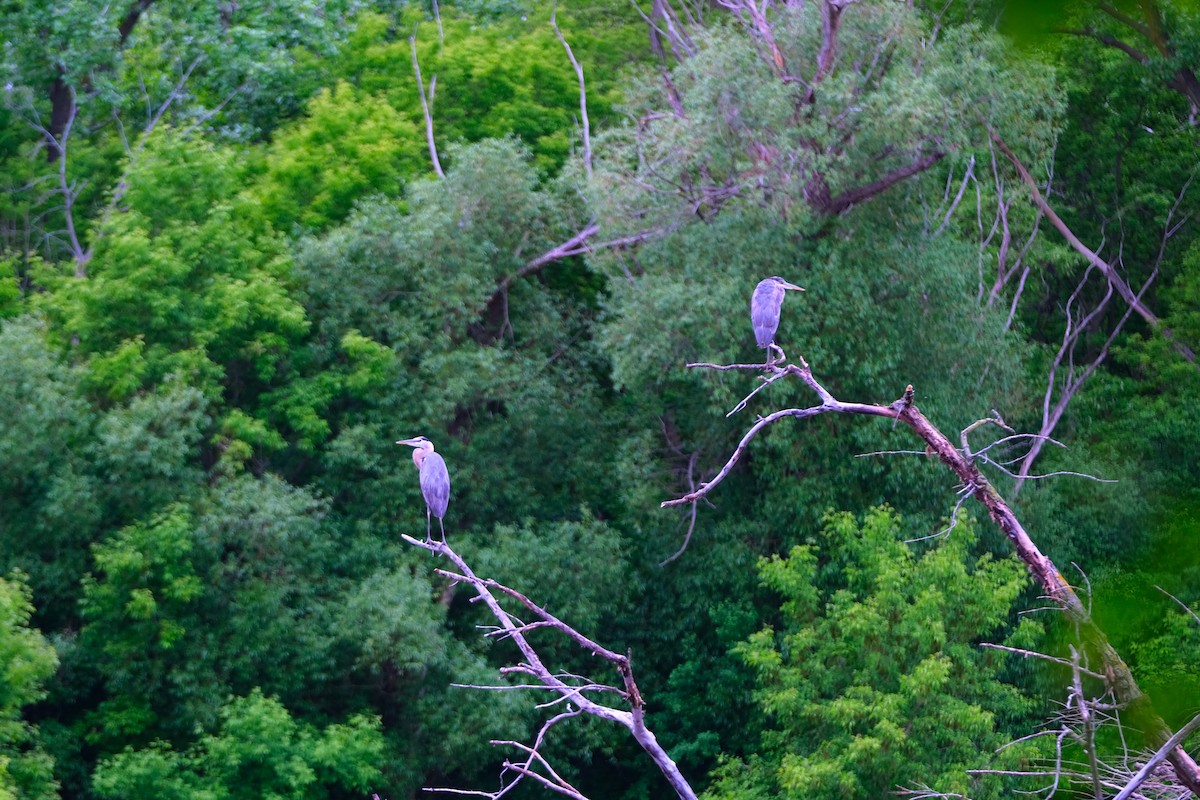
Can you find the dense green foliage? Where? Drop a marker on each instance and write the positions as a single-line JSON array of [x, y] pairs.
[[872, 681], [230, 279], [26, 661]]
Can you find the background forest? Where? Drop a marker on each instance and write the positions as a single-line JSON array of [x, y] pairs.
[[244, 247]]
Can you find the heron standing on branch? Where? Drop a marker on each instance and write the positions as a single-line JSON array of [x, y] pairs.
[[435, 482], [764, 312]]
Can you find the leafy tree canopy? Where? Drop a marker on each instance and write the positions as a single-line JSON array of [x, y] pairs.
[[871, 679]]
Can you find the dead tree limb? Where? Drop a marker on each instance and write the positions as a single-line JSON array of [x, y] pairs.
[[1074, 378], [1118, 675], [433, 154], [859, 194], [1078, 322], [1162, 754], [578, 696], [59, 144], [584, 125]]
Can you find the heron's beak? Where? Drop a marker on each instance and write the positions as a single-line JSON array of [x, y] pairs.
[[793, 286], [409, 442]]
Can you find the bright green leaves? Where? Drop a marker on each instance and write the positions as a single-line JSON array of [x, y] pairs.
[[259, 750], [26, 661], [503, 77], [149, 580], [365, 135], [351, 145], [871, 680], [189, 269], [188, 283]]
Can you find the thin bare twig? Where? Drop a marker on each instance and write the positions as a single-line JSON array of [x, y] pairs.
[[1182, 604], [1043, 656], [970, 173], [687, 538]]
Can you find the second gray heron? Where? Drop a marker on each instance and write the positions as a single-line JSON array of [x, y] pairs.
[[435, 482]]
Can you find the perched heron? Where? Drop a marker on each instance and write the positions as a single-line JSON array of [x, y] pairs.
[[435, 482], [764, 311]]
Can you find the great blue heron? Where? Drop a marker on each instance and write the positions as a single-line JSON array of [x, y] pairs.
[[764, 311], [435, 482]]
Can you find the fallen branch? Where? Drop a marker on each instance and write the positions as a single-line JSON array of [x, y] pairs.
[[1117, 673]]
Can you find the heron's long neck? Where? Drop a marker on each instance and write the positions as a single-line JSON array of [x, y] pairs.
[[420, 453]]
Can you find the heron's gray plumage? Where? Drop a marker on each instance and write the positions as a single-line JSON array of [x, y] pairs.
[[434, 479], [765, 304], [435, 484]]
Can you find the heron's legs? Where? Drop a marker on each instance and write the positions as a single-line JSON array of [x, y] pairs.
[[774, 355], [428, 525], [442, 525]]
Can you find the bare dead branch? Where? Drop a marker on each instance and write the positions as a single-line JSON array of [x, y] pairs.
[[765, 381], [1182, 604], [1087, 736], [724, 367], [967, 175], [850, 197], [664, 23], [756, 10], [68, 191], [571, 247], [1122, 287], [532, 665], [893, 453], [1072, 334], [1161, 754], [433, 154], [963, 493], [583, 112], [996, 420]]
